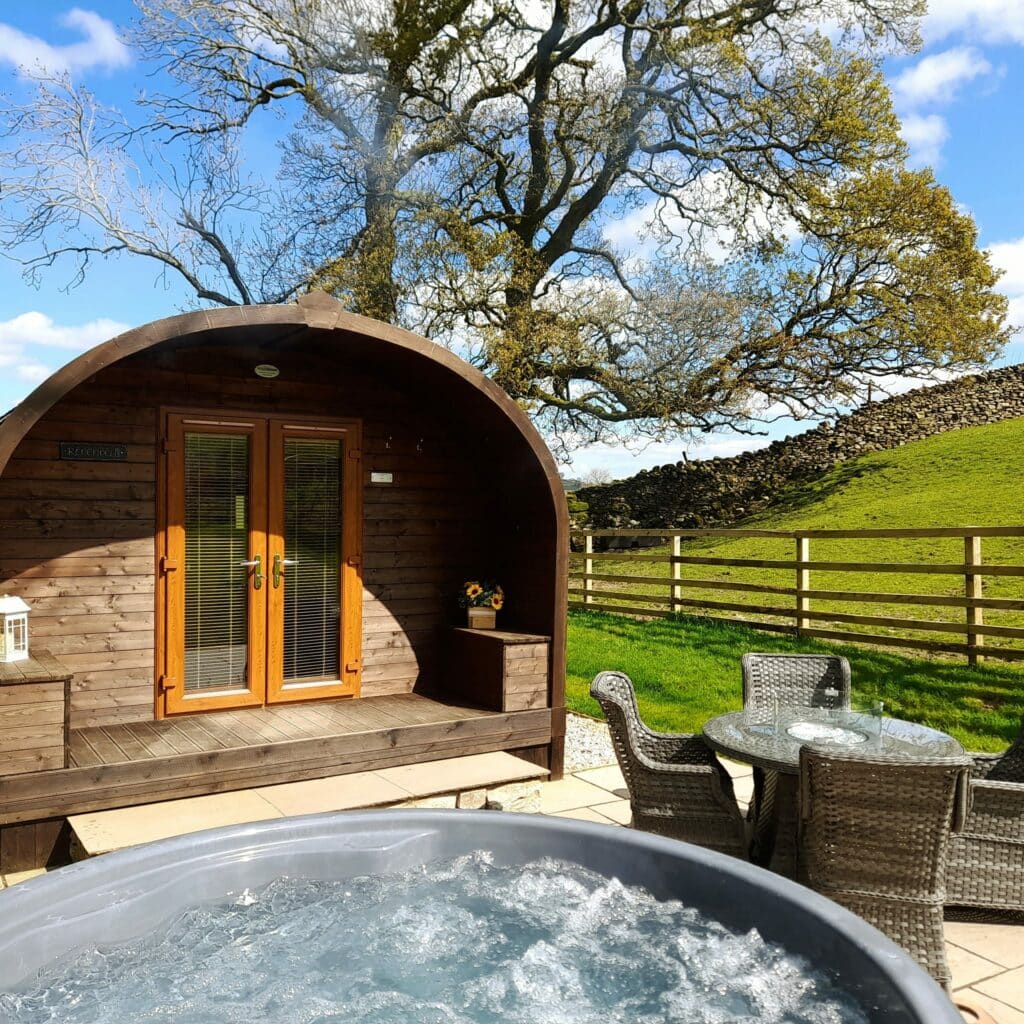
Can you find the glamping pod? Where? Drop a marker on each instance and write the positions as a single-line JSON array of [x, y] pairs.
[[242, 534]]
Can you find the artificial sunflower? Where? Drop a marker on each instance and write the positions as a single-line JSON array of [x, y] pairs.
[[481, 594]]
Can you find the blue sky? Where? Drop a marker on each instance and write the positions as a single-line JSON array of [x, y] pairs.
[[960, 99]]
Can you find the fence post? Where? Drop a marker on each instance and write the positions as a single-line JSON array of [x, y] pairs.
[[588, 568], [676, 572], [974, 587], [803, 582]]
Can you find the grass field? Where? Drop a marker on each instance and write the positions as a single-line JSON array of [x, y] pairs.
[[687, 670], [969, 477]]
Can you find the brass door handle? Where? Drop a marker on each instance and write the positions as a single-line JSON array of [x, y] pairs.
[[257, 566], [277, 572]]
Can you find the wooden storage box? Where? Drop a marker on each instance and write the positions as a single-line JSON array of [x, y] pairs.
[[499, 670], [34, 706]]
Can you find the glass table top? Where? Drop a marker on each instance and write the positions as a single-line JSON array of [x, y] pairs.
[[776, 743]]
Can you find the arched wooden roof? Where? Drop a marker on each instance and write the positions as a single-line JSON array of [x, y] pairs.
[[316, 310]]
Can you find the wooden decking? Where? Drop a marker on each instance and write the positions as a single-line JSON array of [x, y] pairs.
[[143, 762]]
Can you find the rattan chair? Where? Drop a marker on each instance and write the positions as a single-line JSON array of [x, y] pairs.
[[874, 833], [677, 787], [986, 858], [801, 680], [797, 680]]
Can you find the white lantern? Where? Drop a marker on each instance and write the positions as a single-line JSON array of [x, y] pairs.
[[13, 629]]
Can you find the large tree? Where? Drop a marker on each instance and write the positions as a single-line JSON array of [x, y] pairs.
[[478, 170]]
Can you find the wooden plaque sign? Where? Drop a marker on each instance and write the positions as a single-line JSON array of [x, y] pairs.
[[93, 451]]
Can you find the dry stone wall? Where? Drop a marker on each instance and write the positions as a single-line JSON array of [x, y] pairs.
[[719, 492]]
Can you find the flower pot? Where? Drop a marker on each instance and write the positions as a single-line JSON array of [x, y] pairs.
[[481, 618]]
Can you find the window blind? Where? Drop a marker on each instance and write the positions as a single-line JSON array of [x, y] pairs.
[[216, 545], [312, 526]]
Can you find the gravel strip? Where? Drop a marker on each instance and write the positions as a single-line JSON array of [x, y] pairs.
[[588, 743]]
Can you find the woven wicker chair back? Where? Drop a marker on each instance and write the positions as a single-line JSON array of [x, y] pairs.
[[677, 787], [614, 692], [874, 836], [876, 825], [1009, 767], [801, 680], [986, 860]]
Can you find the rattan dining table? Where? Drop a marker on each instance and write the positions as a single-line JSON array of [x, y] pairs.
[[774, 745]]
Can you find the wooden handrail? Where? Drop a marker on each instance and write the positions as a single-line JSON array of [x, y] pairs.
[[935, 569], [838, 596], [815, 534]]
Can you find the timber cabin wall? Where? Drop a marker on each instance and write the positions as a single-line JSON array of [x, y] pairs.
[[77, 539]]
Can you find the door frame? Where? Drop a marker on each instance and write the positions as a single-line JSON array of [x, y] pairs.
[[169, 617], [351, 586]]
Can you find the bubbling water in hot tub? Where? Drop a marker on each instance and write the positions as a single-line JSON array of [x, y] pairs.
[[459, 941]]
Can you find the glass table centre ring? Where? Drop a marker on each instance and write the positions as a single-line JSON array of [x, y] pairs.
[[825, 732]]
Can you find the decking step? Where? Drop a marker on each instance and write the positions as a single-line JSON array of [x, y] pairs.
[[106, 831]]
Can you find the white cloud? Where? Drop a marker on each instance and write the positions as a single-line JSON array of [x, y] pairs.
[[936, 78], [1009, 257], [934, 81], [622, 461], [629, 229], [39, 329], [100, 48], [925, 134], [25, 339], [990, 21], [34, 373]]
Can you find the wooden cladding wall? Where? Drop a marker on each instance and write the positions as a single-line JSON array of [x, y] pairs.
[[77, 538]]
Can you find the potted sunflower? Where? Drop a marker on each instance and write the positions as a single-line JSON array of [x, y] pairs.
[[482, 601]]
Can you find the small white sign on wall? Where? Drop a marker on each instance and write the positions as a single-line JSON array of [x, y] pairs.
[[382, 478]]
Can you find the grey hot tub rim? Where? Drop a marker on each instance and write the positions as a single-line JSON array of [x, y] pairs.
[[125, 894]]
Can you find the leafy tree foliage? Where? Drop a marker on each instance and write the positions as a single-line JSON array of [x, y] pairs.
[[639, 216]]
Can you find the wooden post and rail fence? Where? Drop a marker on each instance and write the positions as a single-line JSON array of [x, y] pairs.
[[678, 590]]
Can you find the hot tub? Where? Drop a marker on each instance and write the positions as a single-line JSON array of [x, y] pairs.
[[124, 895]]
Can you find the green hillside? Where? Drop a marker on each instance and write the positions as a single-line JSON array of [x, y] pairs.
[[970, 477]]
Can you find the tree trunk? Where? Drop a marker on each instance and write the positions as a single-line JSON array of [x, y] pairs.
[[376, 294]]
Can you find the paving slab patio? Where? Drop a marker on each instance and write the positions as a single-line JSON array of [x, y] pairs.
[[1000, 1012], [452, 774], [1001, 943], [570, 793], [337, 793], [106, 831], [1007, 987], [968, 968], [14, 877], [585, 814], [609, 777]]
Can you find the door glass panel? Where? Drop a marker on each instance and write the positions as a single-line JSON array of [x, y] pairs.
[[216, 548], [312, 540]]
